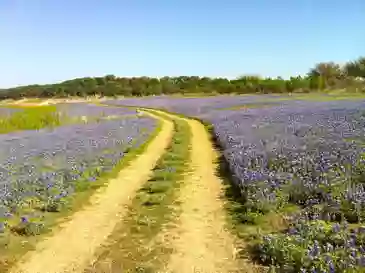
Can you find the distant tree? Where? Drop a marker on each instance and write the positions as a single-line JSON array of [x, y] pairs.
[[327, 70], [356, 68], [327, 74]]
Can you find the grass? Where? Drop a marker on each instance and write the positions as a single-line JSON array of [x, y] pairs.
[[13, 245], [331, 96], [252, 105], [31, 118], [135, 245]]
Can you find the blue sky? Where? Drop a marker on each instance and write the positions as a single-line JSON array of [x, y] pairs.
[[45, 41]]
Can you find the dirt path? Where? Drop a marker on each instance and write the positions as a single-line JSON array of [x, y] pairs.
[[201, 241], [70, 249]]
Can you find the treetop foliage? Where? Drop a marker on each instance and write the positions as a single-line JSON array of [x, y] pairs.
[[323, 76]]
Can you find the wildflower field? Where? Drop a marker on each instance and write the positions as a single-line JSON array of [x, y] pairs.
[[182, 137], [50, 155], [297, 170], [292, 169]]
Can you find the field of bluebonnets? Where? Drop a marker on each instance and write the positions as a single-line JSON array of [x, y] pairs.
[[298, 160], [42, 168], [7, 111]]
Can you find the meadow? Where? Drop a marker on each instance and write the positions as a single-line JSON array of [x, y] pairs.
[[294, 167], [297, 171], [52, 158]]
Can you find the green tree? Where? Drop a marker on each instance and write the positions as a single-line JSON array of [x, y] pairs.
[[356, 68]]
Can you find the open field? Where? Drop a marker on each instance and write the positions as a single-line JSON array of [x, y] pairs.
[[298, 168], [259, 183], [182, 137], [47, 172]]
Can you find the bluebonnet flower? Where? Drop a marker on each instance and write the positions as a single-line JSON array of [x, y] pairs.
[[24, 219], [331, 267]]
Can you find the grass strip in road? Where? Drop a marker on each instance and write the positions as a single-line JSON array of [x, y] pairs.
[[135, 245], [13, 246]]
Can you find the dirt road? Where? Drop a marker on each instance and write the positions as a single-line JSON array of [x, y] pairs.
[[202, 242]]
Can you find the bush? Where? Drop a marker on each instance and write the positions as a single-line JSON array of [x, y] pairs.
[[315, 246]]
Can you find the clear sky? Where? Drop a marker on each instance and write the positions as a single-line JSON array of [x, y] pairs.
[[45, 41]]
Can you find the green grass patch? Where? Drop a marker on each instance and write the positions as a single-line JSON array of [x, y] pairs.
[[21, 239], [135, 245], [31, 118], [333, 96]]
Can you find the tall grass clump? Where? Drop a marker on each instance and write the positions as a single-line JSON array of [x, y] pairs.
[[31, 118]]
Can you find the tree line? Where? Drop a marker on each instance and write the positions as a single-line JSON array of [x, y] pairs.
[[323, 76]]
